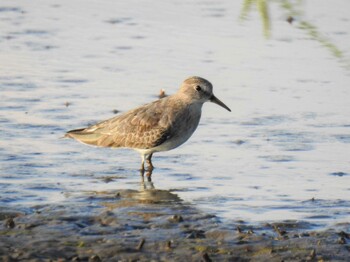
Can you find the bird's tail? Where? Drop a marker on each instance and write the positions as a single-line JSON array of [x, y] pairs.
[[83, 136], [90, 138]]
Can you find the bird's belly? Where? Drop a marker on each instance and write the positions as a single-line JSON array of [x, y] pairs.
[[182, 131], [173, 142], [169, 144]]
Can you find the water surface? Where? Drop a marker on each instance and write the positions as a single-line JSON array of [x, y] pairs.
[[283, 153]]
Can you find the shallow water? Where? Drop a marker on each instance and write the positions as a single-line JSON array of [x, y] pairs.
[[281, 154]]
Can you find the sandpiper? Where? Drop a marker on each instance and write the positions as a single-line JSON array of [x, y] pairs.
[[158, 126]]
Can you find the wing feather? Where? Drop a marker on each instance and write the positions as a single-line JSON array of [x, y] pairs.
[[144, 127]]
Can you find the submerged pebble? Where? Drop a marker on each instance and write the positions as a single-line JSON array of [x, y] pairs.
[[176, 219], [95, 258], [10, 223]]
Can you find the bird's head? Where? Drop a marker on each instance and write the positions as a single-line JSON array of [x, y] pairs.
[[200, 90]]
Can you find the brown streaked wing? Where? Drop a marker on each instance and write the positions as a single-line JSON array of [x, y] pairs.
[[144, 127]]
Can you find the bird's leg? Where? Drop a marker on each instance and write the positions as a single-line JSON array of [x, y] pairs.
[[150, 166], [149, 162], [142, 170]]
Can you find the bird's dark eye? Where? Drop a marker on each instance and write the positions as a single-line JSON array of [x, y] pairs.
[[198, 88]]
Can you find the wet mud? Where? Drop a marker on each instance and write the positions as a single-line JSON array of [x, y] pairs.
[[151, 224]]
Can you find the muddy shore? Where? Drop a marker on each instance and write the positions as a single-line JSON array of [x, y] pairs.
[[150, 224]]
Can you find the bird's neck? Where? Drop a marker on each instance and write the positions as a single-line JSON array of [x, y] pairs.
[[186, 99]]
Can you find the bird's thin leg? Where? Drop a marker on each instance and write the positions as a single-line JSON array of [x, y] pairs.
[[150, 167], [149, 162], [142, 170]]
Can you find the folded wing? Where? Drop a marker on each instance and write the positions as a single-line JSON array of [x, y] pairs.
[[144, 127]]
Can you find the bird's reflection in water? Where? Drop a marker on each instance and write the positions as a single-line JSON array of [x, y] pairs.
[[146, 183], [148, 193]]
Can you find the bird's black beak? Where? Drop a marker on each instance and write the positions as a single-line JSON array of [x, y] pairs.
[[215, 100]]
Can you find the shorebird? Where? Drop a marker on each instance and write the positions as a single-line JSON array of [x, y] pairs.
[[158, 126]]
